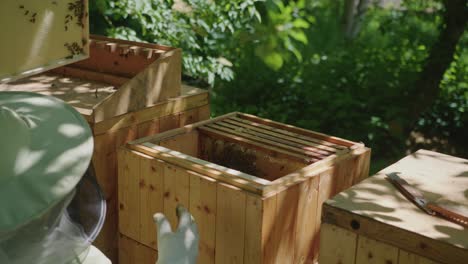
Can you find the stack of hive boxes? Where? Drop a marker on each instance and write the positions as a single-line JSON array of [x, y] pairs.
[[255, 186], [125, 90]]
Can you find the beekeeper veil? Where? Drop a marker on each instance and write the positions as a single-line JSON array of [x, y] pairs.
[[51, 208]]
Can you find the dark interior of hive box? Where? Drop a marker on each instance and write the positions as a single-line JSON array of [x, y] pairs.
[[251, 148]]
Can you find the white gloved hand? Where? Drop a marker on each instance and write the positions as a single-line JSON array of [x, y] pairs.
[[181, 246]]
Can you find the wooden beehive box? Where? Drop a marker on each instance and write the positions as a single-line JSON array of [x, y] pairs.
[[119, 77], [373, 223], [254, 186], [125, 90]]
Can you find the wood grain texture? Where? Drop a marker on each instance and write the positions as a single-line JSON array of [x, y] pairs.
[[129, 194], [254, 204], [380, 209], [132, 252], [159, 81], [338, 245], [405, 257], [253, 229], [176, 191], [203, 205], [373, 252], [186, 143], [306, 221], [230, 220], [151, 198], [285, 224]]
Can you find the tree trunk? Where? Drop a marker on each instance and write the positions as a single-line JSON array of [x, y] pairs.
[[348, 16], [439, 59], [353, 15]]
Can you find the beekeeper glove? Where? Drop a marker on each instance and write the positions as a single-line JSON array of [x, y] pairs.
[[181, 246]]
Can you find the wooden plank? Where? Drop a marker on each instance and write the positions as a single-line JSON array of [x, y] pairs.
[[188, 117], [203, 195], [265, 139], [236, 178], [105, 167], [362, 166], [151, 198], [405, 257], [185, 143], [83, 95], [204, 112], [230, 222], [148, 128], [338, 245], [253, 229], [130, 252], [372, 251], [301, 131], [260, 215], [107, 59], [268, 244], [176, 191], [415, 242], [306, 221], [252, 144], [312, 169], [169, 122], [285, 226], [309, 143], [271, 168], [246, 181], [284, 130], [129, 197], [164, 135], [153, 84], [114, 80], [325, 189], [165, 108], [343, 174]]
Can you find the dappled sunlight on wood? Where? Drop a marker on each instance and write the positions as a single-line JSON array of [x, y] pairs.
[[381, 212]]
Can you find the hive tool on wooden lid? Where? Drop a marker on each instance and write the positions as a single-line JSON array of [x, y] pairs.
[[431, 208], [51, 208]]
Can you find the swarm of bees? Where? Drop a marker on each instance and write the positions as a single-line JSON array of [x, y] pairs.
[[74, 48], [76, 12], [31, 15]]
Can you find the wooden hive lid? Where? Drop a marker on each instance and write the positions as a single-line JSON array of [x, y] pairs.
[[118, 77], [376, 209], [41, 35]]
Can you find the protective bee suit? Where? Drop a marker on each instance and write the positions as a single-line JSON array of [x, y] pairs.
[[51, 208]]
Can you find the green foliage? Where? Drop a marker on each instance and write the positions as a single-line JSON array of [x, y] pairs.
[[209, 33], [282, 32], [355, 89], [289, 61]]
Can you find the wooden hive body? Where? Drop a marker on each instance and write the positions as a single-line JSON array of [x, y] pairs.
[[118, 77], [372, 222], [254, 186], [125, 90]]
